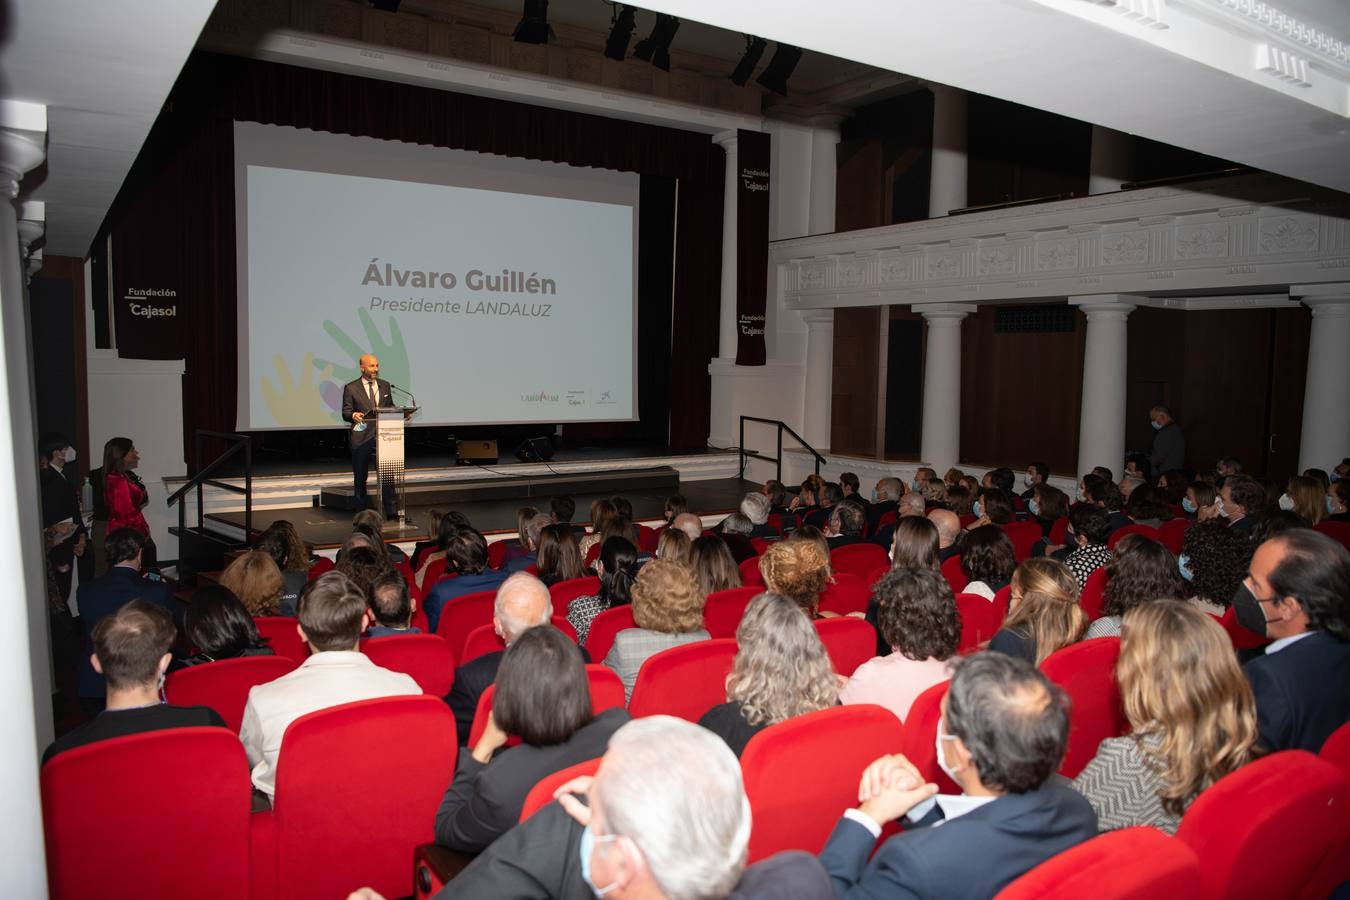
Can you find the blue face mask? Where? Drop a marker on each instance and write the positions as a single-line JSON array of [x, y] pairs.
[[1329, 512], [1188, 505], [874, 495], [586, 847], [978, 510], [1184, 567], [1033, 507], [914, 485]]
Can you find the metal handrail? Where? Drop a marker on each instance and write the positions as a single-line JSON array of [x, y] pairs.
[[203, 477], [777, 459]]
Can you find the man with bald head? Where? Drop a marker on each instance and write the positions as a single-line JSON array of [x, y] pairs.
[[359, 398], [522, 603], [949, 529], [690, 524]]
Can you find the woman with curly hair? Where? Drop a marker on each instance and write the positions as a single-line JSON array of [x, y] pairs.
[[1141, 571], [987, 559], [1214, 560], [798, 569], [919, 622], [282, 542], [255, 579], [668, 612], [1191, 713], [1043, 611], [781, 670]]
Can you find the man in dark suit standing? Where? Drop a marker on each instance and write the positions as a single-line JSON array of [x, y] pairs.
[[1002, 734], [1298, 592], [359, 398]]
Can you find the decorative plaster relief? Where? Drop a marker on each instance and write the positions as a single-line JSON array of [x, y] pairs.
[[1057, 254], [1270, 18], [894, 267], [1289, 234], [996, 261], [943, 265], [1201, 241], [1282, 65], [1124, 248], [815, 275], [852, 271]]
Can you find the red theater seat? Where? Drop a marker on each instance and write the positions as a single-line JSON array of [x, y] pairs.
[[750, 576], [1130, 864], [849, 641], [224, 685], [542, 793], [606, 693], [426, 657], [1120, 533], [484, 639], [1337, 531], [951, 570], [462, 615], [858, 559], [434, 573], [497, 553], [921, 733], [980, 620], [1172, 534], [1023, 536], [321, 565], [723, 611], [156, 815], [801, 774], [1059, 532], [564, 592], [684, 681], [282, 636], [846, 593], [1094, 594], [604, 627], [648, 538], [1087, 672]]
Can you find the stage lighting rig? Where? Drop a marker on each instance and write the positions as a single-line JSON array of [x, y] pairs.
[[754, 50], [655, 47], [621, 25], [533, 27], [776, 74]]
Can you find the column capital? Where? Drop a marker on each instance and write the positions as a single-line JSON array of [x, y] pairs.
[[1104, 306], [938, 315], [818, 318], [727, 139], [1323, 299], [23, 141], [827, 120], [937, 88]]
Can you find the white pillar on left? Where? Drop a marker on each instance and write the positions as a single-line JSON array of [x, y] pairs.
[[1109, 162], [947, 178], [1326, 392], [1101, 422], [824, 172], [940, 439], [819, 376], [727, 322], [25, 678]]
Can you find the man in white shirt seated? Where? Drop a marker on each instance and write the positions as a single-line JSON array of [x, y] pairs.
[[333, 613]]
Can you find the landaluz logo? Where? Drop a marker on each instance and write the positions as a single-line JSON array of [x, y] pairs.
[[541, 397]]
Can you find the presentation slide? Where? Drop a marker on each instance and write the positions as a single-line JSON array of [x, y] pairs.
[[492, 290]]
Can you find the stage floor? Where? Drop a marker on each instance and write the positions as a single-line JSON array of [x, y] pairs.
[[326, 528]]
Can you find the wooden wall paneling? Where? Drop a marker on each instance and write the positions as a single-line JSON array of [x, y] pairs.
[[902, 425], [853, 411], [1155, 373], [1288, 375], [858, 201], [1227, 382]]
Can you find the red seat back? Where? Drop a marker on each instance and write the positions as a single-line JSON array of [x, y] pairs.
[[750, 576], [564, 592], [484, 639], [1087, 673], [1264, 830], [1335, 869], [593, 554], [723, 611], [1172, 534], [1336, 750], [497, 553], [876, 575], [435, 571], [604, 627], [1024, 536], [109, 808], [1059, 531], [606, 693], [420, 620], [1131, 864], [760, 545], [462, 615], [405, 569], [846, 593], [890, 517], [980, 620], [321, 565], [224, 685], [1094, 594], [1147, 531], [336, 827], [951, 570], [426, 657], [684, 681], [282, 636], [849, 641], [920, 734], [648, 538], [801, 774], [858, 559], [1337, 531], [542, 793]]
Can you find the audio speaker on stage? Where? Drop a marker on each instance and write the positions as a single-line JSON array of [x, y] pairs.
[[477, 451], [538, 449]]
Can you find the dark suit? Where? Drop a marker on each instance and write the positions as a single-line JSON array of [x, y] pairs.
[[107, 594], [876, 510], [1302, 692], [471, 679], [356, 399], [61, 501], [973, 856], [484, 801]]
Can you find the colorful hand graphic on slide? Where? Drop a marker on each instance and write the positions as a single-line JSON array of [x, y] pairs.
[[393, 354], [296, 403]]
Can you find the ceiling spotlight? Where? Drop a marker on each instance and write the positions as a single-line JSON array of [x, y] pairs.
[[655, 47], [533, 27], [754, 49], [779, 70], [621, 24]]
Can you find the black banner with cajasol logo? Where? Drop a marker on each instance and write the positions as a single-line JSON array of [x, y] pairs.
[[752, 245], [148, 309]]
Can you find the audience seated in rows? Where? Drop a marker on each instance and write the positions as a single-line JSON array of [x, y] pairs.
[[542, 696], [1338, 500], [1038, 475], [333, 613], [673, 545], [1089, 530], [885, 499], [1307, 497], [845, 524], [1043, 612], [391, 606], [917, 543], [1191, 714], [714, 565], [602, 510], [282, 542], [1213, 562], [560, 555], [668, 611], [781, 670], [756, 507], [521, 545], [467, 557], [254, 578], [798, 569], [1239, 500], [219, 627], [447, 527], [362, 564], [948, 526], [529, 555], [987, 560], [131, 653], [676, 504], [522, 603], [735, 531], [1141, 570], [690, 524], [617, 568]]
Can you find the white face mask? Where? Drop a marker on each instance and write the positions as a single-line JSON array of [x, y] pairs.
[[1026, 479], [70, 454], [1286, 503], [1218, 507], [938, 738]]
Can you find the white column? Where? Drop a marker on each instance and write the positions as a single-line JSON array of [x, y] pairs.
[[1326, 392], [726, 327], [818, 395], [947, 178], [1101, 423], [824, 172], [25, 679], [940, 442], [1109, 166]]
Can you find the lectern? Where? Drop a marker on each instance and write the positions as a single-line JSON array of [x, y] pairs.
[[389, 422]]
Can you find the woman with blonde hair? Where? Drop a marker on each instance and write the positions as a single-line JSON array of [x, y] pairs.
[[668, 612], [798, 569], [781, 670], [1191, 713], [673, 545], [1044, 615], [602, 511], [713, 565], [1306, 496], [255, 579]]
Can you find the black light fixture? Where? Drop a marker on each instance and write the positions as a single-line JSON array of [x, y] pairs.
[[621, 25], [386, 5], [754, 49], [779, 70], [533, 27], [655, 47]]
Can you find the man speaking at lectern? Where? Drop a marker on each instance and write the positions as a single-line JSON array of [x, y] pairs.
[[359, 397]]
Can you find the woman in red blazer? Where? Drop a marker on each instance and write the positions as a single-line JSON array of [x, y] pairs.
[[124, 494]]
